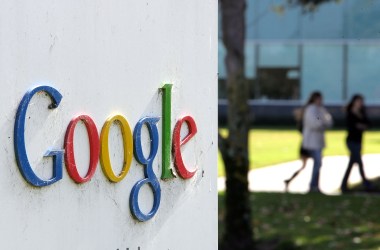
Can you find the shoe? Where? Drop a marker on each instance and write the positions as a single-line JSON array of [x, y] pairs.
[[368, 187], [286, 185]]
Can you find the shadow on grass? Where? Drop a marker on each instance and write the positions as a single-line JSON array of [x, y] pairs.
[[361, 189], [313, 221]]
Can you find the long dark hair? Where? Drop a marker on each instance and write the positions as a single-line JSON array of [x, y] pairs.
[[354, 98], [313, 97]]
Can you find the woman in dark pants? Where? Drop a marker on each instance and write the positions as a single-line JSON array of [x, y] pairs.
[[357, 122]]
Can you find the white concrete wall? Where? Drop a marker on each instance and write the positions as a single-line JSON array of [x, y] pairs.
[[106, 57]]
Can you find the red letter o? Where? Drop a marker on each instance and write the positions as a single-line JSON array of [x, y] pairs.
[[93, 138]]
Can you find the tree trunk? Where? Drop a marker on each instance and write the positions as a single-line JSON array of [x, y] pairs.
[[234, 149]]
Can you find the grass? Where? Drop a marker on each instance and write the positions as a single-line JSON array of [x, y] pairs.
[[314, 221], [273, 146]]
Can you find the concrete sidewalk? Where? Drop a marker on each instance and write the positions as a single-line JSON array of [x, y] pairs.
[[271, 179]]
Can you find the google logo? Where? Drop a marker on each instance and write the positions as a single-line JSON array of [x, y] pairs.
[[132, 144]]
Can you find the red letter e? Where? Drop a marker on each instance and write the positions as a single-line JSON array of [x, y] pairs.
[[177, 143]]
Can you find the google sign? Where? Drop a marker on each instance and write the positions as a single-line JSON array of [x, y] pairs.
[[99, 149]]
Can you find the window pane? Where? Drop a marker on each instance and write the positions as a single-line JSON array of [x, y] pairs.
[[278, 55], [362, 19], [272, 21], [325, 23], [250, 62], [363, 71], [322, 70]]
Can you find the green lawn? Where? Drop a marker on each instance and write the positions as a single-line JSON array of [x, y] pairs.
[[272, 146], [314, 221]]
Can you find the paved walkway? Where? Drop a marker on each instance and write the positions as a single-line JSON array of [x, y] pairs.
[[271, 179]]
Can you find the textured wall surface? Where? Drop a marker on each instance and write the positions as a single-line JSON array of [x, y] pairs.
[[107, 57]]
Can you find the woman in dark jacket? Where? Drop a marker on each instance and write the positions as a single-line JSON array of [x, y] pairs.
[[357, 122]]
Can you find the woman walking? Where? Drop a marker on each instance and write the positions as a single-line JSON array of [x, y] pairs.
[[357, 122], [304, 154], [316, 120]]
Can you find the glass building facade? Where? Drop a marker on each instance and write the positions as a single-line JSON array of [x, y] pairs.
[[290, 53]]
